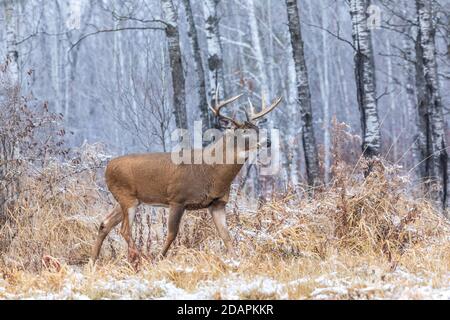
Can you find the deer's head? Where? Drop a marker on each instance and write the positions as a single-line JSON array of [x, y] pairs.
[[245, 130]]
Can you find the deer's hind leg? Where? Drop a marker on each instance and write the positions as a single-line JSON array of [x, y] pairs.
[[129, 207], [111, 220]]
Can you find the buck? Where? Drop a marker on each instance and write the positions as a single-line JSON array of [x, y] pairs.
[[154, 179]]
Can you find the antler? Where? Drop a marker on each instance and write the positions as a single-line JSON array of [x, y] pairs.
[[254, 116], [218, 106], [264, 110]]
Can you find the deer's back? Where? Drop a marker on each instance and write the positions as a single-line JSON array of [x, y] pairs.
[[154, 179]]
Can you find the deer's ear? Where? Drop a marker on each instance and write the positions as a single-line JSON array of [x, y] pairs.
[[260, 121]]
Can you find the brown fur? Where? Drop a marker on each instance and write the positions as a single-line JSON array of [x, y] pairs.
[[155, 179]]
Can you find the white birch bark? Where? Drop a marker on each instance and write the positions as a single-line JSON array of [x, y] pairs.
[[365, 78], [304, 94], [116, 81], [261, 72], [12, 54], [214, 49], [409, 108], [430, 108], [396, 124], [271, 52], [175, 57], [241, 60], [257, 49], [207, 117], [325, 93], [56, 55]]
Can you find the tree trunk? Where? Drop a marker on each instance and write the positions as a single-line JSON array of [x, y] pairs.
[[58, 73], [431, 139], [410, 112], [207, 117], [214, 48], [270, 73], [396, 124], [303, 94], [70, 110], [12, 54], [325, 94], [365, 78], [178, 81], [8, 147], [257, 49], [261, 182]]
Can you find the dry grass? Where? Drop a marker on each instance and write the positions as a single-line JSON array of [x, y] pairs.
[[355, 239]]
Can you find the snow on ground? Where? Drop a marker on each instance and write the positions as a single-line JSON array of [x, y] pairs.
[[233, 286]]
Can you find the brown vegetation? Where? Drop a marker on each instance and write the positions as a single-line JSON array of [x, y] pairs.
[[347, 228]]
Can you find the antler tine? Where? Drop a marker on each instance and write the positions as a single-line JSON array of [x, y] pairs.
[[216, 96], [247, 116], [216, 109], [252, 108], [265, 111], [224, 103], [263, 101]]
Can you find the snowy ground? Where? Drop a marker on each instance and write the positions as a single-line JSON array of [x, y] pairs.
[[398, 285], [374, 242]]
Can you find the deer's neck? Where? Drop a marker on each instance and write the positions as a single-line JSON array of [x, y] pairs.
[[232, 158]]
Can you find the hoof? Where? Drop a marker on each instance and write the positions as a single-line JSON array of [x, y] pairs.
[[50, 263], [134, 258]]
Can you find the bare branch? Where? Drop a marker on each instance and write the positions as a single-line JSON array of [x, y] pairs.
[[112, 30]]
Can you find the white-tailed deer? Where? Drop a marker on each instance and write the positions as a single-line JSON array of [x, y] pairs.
[[154, 179]]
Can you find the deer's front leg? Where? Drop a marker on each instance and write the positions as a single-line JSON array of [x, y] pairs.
[[175, 214], [217, 210]]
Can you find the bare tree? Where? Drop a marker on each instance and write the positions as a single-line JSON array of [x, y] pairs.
[[11, 39], [144, 111], [71, 93], [29, 135], [207, 118], [431, 134], [365, 78], [325, 95], [304, 94], [175, 59], [257, 48], [58, 71], [214, 49]]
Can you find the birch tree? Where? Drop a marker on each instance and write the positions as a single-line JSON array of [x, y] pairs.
[[303, 94], [71, 92], [175, 57], [207, 117], [431, 134], [56, 53], [257, 49], [9, 110], [12, 54], [365, 78], [214, 49], [325, 93]]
